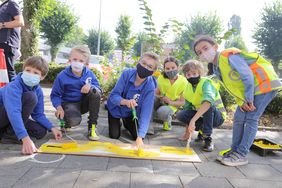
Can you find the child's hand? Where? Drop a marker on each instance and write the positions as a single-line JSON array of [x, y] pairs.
[[28, 147], [86, 88], [131, 103], [247, 107], [57, 133], [185, 137], [60, 112], [166, 100], [139, 142], [191, 126]]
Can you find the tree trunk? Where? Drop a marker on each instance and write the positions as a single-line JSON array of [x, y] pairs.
[[30, 33], [54, 50], [277, 70]]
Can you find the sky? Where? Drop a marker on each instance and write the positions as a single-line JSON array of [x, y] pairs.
[[162, 10]]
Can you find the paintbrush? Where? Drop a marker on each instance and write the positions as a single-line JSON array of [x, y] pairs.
[[135, 119], [187, 149]]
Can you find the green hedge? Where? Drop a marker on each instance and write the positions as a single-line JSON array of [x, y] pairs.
[[275, 107], [54, 70]]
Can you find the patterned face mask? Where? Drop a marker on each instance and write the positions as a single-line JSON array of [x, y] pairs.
[[171, 74]]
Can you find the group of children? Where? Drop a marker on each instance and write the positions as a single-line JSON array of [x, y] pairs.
[[137, 95]]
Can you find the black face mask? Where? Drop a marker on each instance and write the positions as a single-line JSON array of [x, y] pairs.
[[143, 72], [194, 80]]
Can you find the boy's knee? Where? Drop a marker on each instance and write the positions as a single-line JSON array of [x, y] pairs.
[[41, 133], [95, 94], [73, 121], [30, 98], [163, 113], [38, 132]]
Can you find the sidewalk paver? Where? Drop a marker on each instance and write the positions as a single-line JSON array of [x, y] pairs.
[[52, 170]]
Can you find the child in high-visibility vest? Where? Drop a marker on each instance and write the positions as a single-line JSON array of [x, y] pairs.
[[21, 99], [169, 93], [253, 83], [204, 109]]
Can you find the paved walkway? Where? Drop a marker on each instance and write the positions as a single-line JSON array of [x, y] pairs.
[[21, 171]]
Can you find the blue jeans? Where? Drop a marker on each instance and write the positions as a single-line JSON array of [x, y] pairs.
[[212, 118], [245, 124]]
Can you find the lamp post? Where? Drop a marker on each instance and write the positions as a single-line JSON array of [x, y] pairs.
[[99, 29]]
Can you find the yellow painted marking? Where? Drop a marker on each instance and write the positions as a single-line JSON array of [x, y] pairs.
[[174, 150], [267, 146], [107, 146]]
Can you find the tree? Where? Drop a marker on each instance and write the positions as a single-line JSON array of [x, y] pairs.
[[33, 11], [76, 37], [235, 23], [124, 40], [235, 39], [154, 40], [208, 24], [268, 33], [236, 42], [57, 26], [107, 44], [140, 39]]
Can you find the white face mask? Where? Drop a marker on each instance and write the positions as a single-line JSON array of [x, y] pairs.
[[208, 56], [77, 66]]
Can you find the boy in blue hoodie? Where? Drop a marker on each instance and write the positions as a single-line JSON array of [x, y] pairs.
[[134, 89], [23, 98], [76, 91]]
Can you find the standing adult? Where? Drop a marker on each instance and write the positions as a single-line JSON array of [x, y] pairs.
[[11, 20]]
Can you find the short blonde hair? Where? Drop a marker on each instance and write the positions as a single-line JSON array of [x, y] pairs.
[[38, 63], [152, 55], [82, 49], [193, 66]]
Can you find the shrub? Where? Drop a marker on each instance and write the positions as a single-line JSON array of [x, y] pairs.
[[275, 107]]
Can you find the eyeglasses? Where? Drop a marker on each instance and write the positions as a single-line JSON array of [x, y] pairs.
[[146, 65]]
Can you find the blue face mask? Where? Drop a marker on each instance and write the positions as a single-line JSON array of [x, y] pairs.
[[30, 79]]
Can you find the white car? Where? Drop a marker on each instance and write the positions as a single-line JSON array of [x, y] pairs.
[[95, 62]]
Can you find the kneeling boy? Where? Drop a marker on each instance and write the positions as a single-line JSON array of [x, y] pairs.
[[76, 91], [23, 98]]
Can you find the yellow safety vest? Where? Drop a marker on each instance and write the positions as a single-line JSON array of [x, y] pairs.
[[265, 77], [174, 91], [196, 97]]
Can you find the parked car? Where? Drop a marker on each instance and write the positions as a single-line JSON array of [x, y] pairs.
[[95, 62]]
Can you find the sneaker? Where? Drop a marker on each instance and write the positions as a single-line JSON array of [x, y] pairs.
[[92, 135], [208, 145], [10, 139], [234, 159], [223, 153], [151, 130], [166, 126], [200, 137]]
